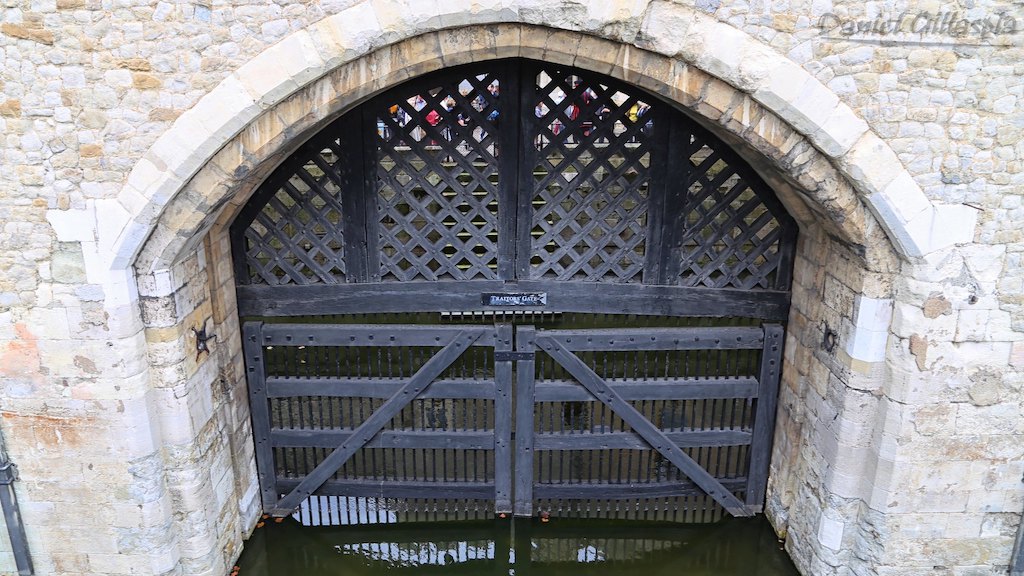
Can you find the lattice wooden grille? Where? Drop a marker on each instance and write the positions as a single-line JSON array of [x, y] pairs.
[[297, 237], [591, 175], [599, 182], [730, 237], [437, 174]]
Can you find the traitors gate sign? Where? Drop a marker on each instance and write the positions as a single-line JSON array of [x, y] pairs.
[[534, 299]]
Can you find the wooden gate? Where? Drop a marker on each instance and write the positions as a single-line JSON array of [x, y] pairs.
[[499, 193], [386, 411], [605, 419], [645, 418]]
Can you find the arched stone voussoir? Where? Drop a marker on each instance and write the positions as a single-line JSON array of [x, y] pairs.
[[352, 39]]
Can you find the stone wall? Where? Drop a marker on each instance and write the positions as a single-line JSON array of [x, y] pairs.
[[131, 134]]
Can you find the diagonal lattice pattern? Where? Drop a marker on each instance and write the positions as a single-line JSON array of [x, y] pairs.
[[570, 176], [730, 237], [296, 238], [591, 179], [437, 177]]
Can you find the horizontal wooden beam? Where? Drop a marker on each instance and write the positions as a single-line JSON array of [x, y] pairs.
[[629, 339], [654, 389], [376, 335], [462, 440], [284, 387], [396, 489], [465, 296], [633, 441], [623, 491]]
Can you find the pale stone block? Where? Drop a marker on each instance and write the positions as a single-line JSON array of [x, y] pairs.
[[128, 244], [224, 111], [866, 345], [74, 225], [175, 420], [830, 532], [910, 237], [839, 132], [718, 49], [871, 164], [184, 148], [49, 323], [281, 69], [111, 218], [952, 224], [985, 262], [665, 26], [343, 36], [1017, 354], [972, 325], [147, 177]]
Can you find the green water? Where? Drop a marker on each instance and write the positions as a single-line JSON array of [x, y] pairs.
[[731, 547]]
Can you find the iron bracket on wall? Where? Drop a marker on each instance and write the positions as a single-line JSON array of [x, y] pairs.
[[8, 473], [12, 514]]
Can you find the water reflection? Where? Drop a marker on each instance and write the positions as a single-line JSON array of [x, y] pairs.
[[517, 548]]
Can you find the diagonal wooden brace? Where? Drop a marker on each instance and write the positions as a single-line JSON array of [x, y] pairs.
[[648, 431], [376, 422]]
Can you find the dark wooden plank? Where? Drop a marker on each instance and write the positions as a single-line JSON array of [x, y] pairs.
[[623, 339], [375, 335], [764, 419], [563, 296], [502, 440], [624, 491], [523, 505], [376, 421], [259, 410], [642, 426], [396, 489], [511, 232], [666, 178], [462, 440], [630, 440], [654, 389], [291, 386]]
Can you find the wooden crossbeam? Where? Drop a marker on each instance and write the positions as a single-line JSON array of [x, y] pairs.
[[376, 421], [642, 426]]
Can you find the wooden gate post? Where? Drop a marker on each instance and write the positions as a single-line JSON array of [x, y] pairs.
[[503, 419], [252, 334], [524, 422], [764, 421]]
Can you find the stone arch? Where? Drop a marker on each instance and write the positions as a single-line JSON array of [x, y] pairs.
[[834, 175], [764, 99]]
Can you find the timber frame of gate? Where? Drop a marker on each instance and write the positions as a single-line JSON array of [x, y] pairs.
[[560, 345], [516, 496], [456, 341], [612, 201]]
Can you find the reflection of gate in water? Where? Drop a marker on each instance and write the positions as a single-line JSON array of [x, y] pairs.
[[524, 548]]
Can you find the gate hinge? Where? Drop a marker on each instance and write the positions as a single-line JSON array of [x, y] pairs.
[[8, 473], [502, 356]]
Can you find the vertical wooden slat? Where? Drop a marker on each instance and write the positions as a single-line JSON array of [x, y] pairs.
[[665, 180], [366, 204], [510, 232], [503, 422], [260, 411], [524, 423], [526, 154], [764, 419]]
